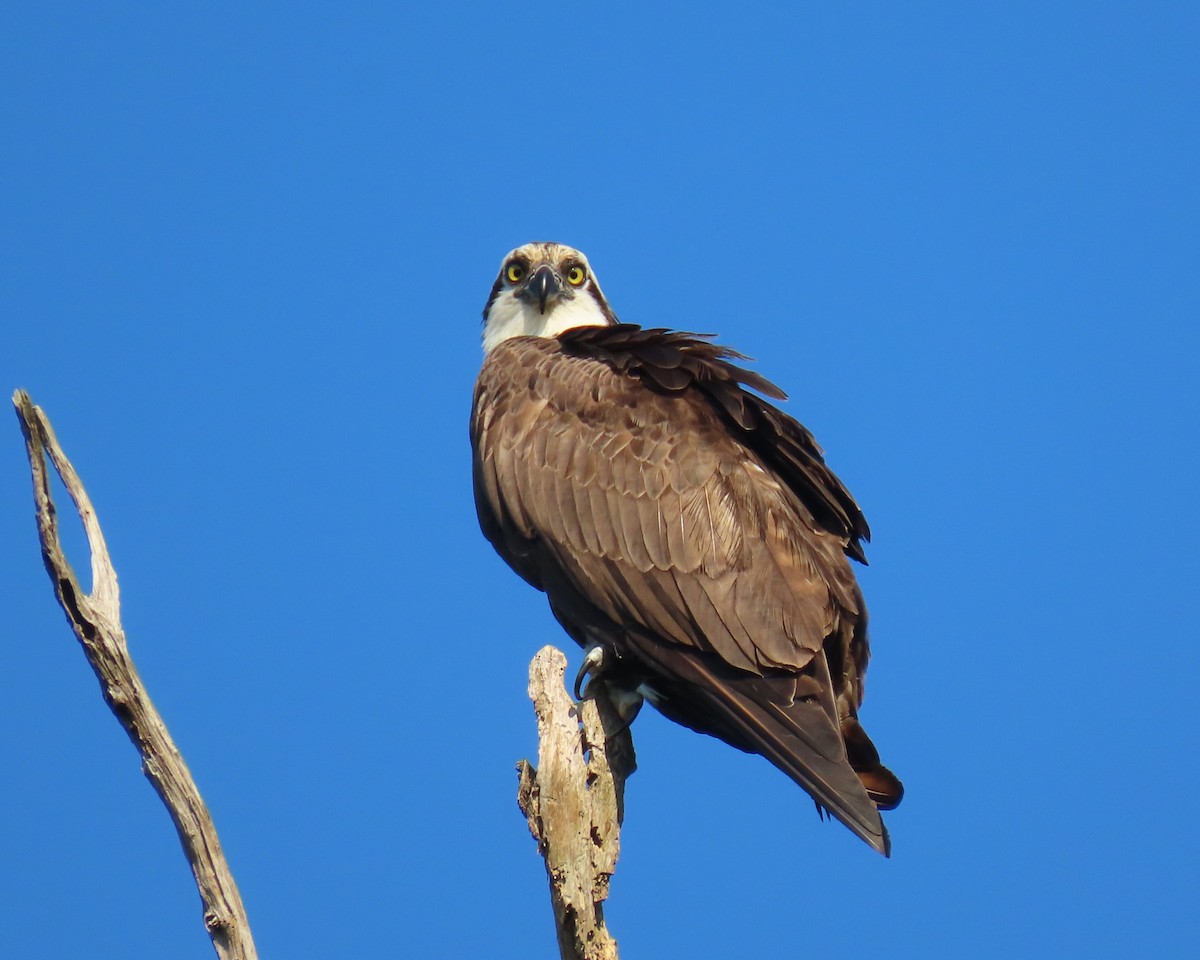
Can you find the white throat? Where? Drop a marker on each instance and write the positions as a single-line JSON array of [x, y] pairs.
[[510, 317]]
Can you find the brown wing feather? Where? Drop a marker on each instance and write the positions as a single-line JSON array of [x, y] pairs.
[[696, 529]]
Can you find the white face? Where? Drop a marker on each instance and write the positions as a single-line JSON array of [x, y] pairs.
[[574, 298]]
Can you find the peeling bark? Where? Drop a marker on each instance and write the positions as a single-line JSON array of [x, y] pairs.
[[574, 802]]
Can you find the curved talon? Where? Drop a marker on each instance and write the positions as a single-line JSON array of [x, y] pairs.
[[593, 665]]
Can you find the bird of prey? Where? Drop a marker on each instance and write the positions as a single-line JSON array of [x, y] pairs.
[[687, 533]]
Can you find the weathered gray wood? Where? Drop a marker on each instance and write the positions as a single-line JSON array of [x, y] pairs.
[[574, 802], [96, 619]]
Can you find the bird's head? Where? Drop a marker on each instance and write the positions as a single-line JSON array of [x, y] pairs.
[[543, 289]]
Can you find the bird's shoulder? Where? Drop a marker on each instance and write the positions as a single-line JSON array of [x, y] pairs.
[[614, 379]]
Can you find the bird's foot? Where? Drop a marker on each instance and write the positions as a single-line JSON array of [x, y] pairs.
[[621, 703], [626, 703], [591, 668]]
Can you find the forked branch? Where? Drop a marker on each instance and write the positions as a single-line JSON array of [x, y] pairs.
[[96, 619]]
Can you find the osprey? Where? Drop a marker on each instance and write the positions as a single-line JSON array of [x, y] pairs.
[[686, 532]]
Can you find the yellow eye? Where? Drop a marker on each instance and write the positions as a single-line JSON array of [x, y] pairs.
[[576, 275], [515, 272]]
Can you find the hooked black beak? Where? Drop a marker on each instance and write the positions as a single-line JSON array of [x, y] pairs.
[[544, 286]]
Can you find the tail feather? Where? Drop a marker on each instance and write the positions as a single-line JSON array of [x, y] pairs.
[[802, 742], [773, 717], [883, 786]]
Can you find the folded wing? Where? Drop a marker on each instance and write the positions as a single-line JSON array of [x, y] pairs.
[[692, 526]]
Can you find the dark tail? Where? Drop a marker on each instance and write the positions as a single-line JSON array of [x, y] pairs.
[[792, 720], [802, 741], [883, 787]]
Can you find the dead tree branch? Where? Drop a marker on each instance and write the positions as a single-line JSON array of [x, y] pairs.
[[574, 802], [96, 619]]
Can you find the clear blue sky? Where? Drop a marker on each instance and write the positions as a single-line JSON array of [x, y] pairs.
[[243, 253]]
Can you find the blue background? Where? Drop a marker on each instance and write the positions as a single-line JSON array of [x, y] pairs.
[[244, 251]]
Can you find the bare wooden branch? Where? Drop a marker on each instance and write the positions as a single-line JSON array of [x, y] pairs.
[[96, 619], [574, 802]]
